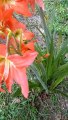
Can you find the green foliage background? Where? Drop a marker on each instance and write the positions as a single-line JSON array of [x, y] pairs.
[[57, 19], [58, 15]]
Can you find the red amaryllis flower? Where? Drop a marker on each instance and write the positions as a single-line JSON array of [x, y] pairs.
[[8, 22], [28, 34], [25, 34], [39, 2], [13, 69], [21, 6], [22, 39], [27, 47]]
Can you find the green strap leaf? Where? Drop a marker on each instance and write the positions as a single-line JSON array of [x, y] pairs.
[[59, 76], [35, 71]]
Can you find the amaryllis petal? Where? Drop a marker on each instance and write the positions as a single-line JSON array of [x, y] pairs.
[[25, 60], [2, 49], [31, 46], [27, 47], [40, 3], [20, 7], [10, 79], [21, 78], [28, 35], [1, 71], [23, 8], [32, 4], [5, 13], [6, 68], [13, 24]]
